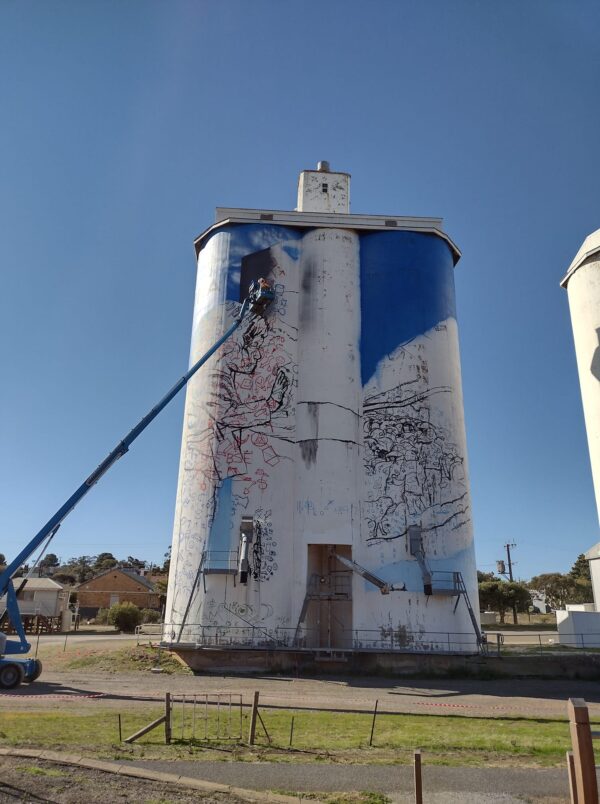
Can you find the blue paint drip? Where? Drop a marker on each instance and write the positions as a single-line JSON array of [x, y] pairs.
[[407, 287]]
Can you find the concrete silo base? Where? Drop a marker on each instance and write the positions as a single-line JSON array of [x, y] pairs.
[[372, 663]]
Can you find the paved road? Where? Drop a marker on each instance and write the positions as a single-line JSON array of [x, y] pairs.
[[543, 638], [439, 783]]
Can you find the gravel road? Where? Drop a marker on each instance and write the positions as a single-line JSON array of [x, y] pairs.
[[469, 697]]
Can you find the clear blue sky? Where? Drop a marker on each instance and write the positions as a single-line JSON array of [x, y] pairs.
[[123, 124]]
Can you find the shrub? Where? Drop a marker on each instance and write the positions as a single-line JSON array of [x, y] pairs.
[[101, 617], [150, 616], [124, 616]]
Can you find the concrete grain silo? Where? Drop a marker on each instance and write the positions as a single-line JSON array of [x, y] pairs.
[[323, 500], [582, 282]]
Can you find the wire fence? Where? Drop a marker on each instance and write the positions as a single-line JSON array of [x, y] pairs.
[[505, 643]]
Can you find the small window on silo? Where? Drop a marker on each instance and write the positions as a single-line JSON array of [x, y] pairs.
[[324, 187]]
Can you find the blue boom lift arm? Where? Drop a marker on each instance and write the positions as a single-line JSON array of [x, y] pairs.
[[260, 295]]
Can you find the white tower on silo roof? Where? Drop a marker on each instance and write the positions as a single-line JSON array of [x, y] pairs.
[[322, 190]]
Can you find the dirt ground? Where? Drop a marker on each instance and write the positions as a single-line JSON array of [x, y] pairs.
[[40, 781], [72, 674], [84, 691]]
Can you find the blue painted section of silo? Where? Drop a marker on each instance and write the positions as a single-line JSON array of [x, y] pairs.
[[220, 540], [407, 287], [248, 238]]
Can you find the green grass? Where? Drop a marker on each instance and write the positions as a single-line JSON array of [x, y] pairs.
[[34, 770], [130, 659], [363, 797], [318, 736]]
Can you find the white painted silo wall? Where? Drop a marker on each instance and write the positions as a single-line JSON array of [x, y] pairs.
[[237, 455], [416, 473], [338, 421], [583, 288], [328, 432]]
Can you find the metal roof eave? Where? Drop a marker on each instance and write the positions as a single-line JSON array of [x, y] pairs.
[[311, 220]]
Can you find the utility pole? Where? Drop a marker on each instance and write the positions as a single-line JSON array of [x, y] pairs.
[[508, 545]]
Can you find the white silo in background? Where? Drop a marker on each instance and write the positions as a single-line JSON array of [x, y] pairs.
[[582, 282], [332, 432]]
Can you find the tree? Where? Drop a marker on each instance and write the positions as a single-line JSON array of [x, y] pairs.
[[167, 562], [582, 579], [559, 589], [500, 596], [81, 567], [64, 578], [485, 576], [581, 569], [519, 595], [104, 561], [125, 616], [49, 562], [161, 587], [150, 616]]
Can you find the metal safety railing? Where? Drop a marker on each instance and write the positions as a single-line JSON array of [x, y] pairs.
[[446, 583], [220, 561], [315, 639]]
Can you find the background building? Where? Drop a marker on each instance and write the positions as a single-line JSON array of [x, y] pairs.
[[43, 603], [335, 427], [116, 585]]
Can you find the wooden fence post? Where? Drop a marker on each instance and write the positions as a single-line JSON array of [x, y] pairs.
[[583, 752], [373, 723], [167, 718], [418, 779], [146, 729], [572, 780], [253, 715]]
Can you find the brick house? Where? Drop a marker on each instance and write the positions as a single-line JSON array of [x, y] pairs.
[[117, 585]]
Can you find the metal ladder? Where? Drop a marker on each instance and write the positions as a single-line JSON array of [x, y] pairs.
[[192, 593], [462, 591]]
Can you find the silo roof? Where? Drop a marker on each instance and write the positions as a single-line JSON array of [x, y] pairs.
[[589, 247], [593, 552], [333, 220]]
